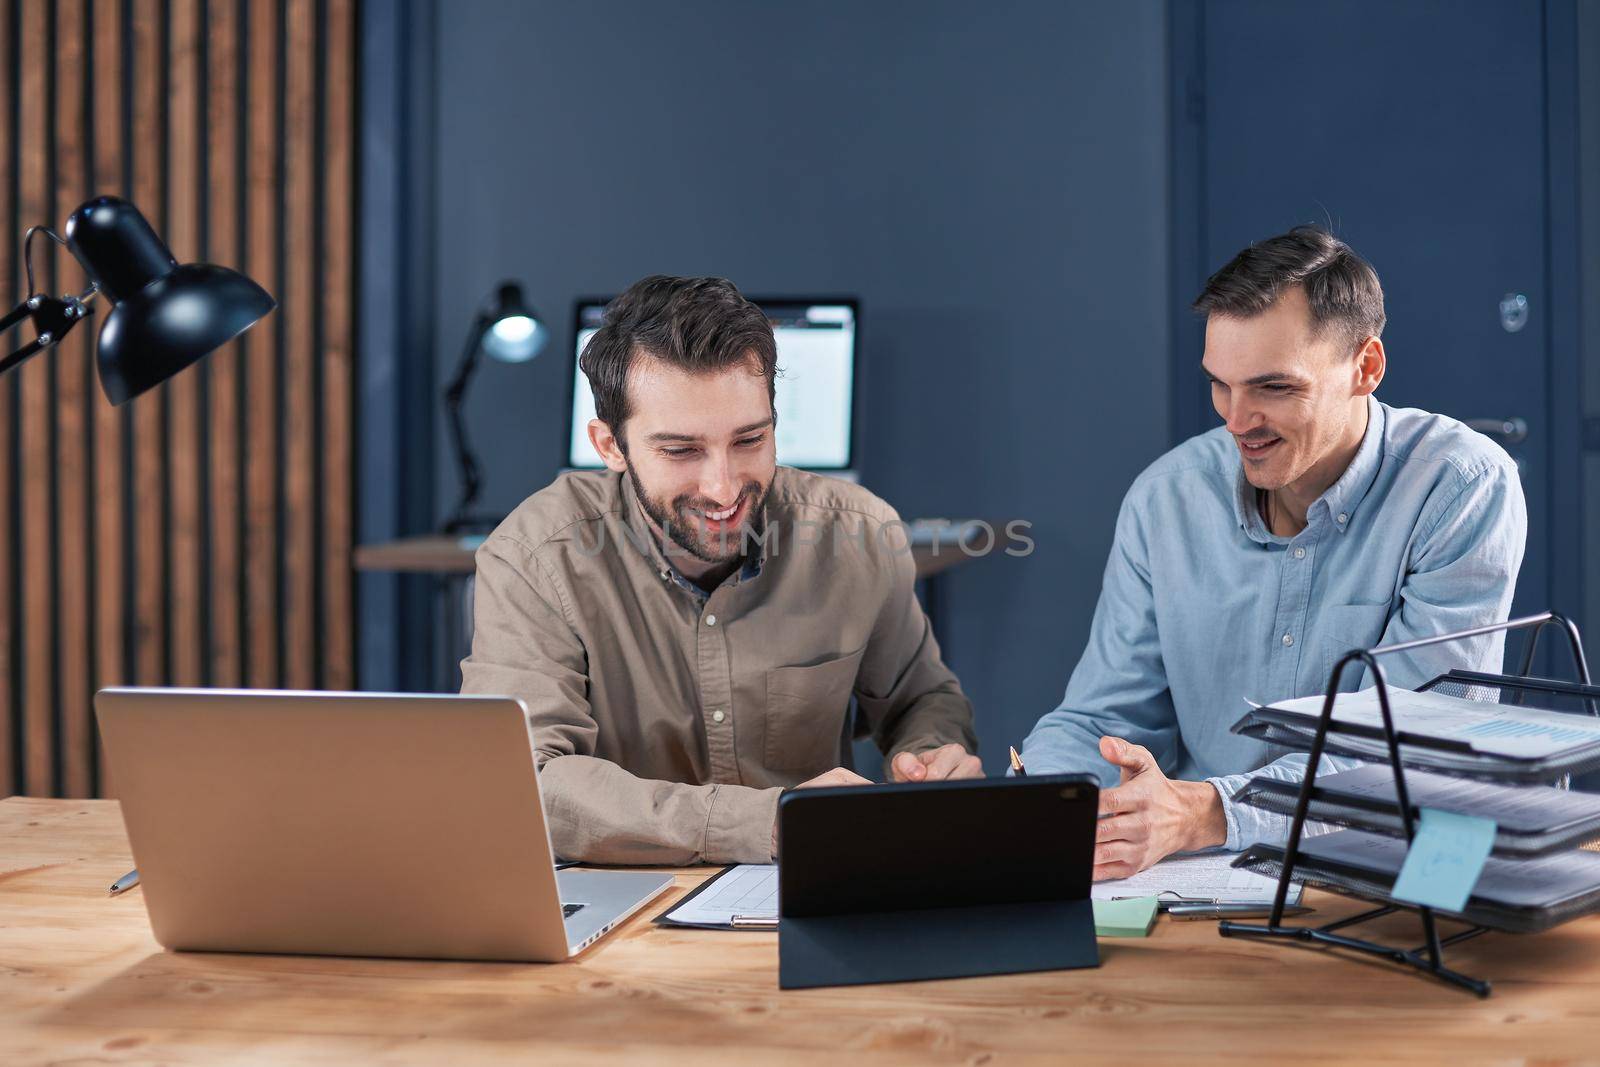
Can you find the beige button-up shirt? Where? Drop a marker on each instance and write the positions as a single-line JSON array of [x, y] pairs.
[[666, 721]]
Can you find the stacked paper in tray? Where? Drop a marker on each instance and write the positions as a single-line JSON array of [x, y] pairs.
[[1509, 894], [1496, 853], [1440, 732], [1530, 820]]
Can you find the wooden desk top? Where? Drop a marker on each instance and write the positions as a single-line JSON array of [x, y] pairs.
[[441, 554], [81, 980]]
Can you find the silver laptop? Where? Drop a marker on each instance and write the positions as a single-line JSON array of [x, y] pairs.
[[348, 824]]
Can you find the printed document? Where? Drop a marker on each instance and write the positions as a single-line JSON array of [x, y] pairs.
[[1205, 877], [750, 889], [1492, 729]]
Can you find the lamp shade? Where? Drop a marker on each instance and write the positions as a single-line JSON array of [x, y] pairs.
[[164, 316], [514, 332]]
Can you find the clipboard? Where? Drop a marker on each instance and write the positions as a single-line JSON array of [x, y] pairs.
[[906, 882], [666, 918]]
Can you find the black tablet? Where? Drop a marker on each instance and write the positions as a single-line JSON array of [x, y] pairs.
[[936, 880]]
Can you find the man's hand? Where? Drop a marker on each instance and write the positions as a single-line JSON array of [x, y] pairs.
[[936, 764], [837, 776], [1150, 816]]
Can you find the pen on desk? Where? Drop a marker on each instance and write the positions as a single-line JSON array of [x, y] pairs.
[[763, 921], [125, 883], [1016, 764], [1227, 911]]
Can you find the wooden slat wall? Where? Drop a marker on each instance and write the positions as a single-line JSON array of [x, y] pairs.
[[9, 664], [111, 426], [36, 462], [202, 535]]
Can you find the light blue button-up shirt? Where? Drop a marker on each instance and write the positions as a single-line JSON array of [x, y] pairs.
[[1203, 606]]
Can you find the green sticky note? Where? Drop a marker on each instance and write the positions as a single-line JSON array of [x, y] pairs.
[[1124, 918], [1444, 860]]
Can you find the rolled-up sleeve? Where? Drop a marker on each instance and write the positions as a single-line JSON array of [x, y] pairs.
[[524, 645]]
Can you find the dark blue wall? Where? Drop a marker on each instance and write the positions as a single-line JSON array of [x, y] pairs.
[[990, 179]]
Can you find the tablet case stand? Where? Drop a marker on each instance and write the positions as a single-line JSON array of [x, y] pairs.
[[907, 882], [959, 942]]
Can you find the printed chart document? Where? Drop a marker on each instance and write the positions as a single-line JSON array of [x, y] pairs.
[[749, 889], [1489, 729], [1205, 877]]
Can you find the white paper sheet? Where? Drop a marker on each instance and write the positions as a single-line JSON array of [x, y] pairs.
[[749, 889], [1496, 729], [1206, 877]]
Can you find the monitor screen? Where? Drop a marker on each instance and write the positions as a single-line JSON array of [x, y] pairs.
[[815, 393]]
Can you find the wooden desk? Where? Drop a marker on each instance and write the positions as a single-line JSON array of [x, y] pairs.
[[81, 980]]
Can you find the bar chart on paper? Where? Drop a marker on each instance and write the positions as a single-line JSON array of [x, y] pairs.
[[749, 890]]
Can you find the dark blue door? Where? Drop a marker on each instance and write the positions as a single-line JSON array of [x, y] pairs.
[[1415, 128]]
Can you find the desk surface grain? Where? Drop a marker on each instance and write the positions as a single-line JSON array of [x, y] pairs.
[[82, 981]]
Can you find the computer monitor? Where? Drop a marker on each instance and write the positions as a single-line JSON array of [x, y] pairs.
[[816, 387]]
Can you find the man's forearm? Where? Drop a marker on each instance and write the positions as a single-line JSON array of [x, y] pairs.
[[933, 720], [599, 813], [1247, 824], [1062, 743]]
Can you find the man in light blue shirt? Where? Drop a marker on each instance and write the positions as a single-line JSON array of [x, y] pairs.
[[1248, 559]]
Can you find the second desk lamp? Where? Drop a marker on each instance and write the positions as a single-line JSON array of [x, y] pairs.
[[511, 332]]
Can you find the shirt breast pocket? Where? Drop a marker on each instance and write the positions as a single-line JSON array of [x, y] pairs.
[[1347, 627], [806, 707]]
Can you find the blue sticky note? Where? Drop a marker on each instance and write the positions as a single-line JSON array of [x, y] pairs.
[[1444, 860]]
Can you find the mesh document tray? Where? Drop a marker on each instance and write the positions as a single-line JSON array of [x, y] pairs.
[[1514, 895], [1295, 733], [1531, 820]]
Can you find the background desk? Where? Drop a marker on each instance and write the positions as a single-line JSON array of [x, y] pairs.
[[450, 559], [81, 980]]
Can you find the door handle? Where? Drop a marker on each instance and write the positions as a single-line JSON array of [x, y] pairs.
[[1508, 431]]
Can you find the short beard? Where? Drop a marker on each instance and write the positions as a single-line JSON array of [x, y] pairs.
[[676, 523]]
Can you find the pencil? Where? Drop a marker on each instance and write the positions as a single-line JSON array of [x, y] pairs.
[[1016, 764]]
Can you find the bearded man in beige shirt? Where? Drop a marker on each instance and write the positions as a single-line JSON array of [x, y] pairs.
[[687, 627]]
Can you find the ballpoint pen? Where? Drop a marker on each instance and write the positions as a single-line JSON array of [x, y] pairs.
[[125, 883], [767, 922], [1016, 764], [1227, 911]]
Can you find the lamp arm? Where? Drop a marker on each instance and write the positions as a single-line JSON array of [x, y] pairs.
[[52, 317], [455, 395]]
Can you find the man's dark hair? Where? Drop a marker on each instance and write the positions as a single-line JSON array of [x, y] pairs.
[[701, 325], [1341, 287]]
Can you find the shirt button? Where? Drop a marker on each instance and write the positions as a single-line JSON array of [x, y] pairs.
[[718, 715], [1344, 517], [1288, 639], [711, 620], [1300, 553]]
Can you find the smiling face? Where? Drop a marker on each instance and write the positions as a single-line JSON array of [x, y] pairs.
[[700, 451], [1293, 398]]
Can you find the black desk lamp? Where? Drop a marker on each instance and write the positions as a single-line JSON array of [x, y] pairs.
[[511, 332], [163, 317]]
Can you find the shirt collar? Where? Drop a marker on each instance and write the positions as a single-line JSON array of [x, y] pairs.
[[1345, 495], [1339, 501], [644, 539]]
